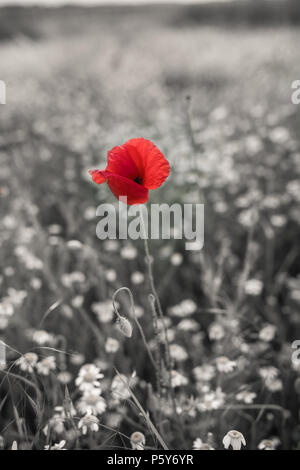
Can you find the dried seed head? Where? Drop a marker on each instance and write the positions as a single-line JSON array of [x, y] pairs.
[[124, 326]]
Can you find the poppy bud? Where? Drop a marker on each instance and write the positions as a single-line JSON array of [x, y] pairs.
[[124, 326]]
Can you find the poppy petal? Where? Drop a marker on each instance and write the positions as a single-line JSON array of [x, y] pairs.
[[119, 162], [152, 166], [121, 186], [98, 176]]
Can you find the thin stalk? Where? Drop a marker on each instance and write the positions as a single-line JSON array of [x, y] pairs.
[[135, 319], [144, 413]]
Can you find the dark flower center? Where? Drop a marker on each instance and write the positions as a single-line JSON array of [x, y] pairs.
[[138, 180]]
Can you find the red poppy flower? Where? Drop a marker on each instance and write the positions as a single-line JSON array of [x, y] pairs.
[[132, 169]]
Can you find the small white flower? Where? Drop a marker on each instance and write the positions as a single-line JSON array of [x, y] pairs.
[[119, 387], [178, 353], [46, 365], [111, 275], [6, 307], [216, 331], [112, 345], [59, 446], [3, 322], [92, 403], [89, 422], [56, 424], [253, 287], [77, 301], [267, 333], [204, 373], [271, 380], [42, 337], [88, 377], [139, 311], [188, 306], [111, 245], [266, 444], [27, 362], [77, 359], [128, 252], [188, 324], [74, 245], [64, 377], [103, 310], [211, 401], [36, 283], [183, 309], [138, 440], [235, 439], [246, 397], [225, 365], [177, 379], [14, 445], [274, 385], [137, 277], [176, 259], [198, 444]]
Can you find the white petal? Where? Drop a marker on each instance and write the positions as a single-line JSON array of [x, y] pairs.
[[226, 441], [236, 444]]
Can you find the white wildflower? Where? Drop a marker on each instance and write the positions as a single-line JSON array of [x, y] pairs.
[[92, 403], [59, 446], [138, 440], [246, 397], [267, 333], [88, 377], [204, 373], [119, 387], [176, 259], [178, 353], [137, 277], [253, 287], [225, 365], [89, 422], [177, 379], [27, 362], [216, 331], [128, 252], [198, 444], [46, 365], [111, 345], [235, 439]]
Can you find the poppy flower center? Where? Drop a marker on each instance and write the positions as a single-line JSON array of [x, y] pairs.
[[138, 180]]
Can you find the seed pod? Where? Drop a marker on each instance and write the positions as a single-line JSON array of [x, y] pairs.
[[124, 326]]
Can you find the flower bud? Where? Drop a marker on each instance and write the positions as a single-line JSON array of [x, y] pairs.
[[124, 326]]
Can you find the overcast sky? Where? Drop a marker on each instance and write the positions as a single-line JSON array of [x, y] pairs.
[[93, 2]]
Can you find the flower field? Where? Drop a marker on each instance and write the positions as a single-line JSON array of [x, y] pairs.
[[203, 355]]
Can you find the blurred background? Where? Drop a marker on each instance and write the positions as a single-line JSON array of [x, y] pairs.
[[210, 84]]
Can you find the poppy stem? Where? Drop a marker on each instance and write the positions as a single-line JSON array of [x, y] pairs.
[[149, 261]]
